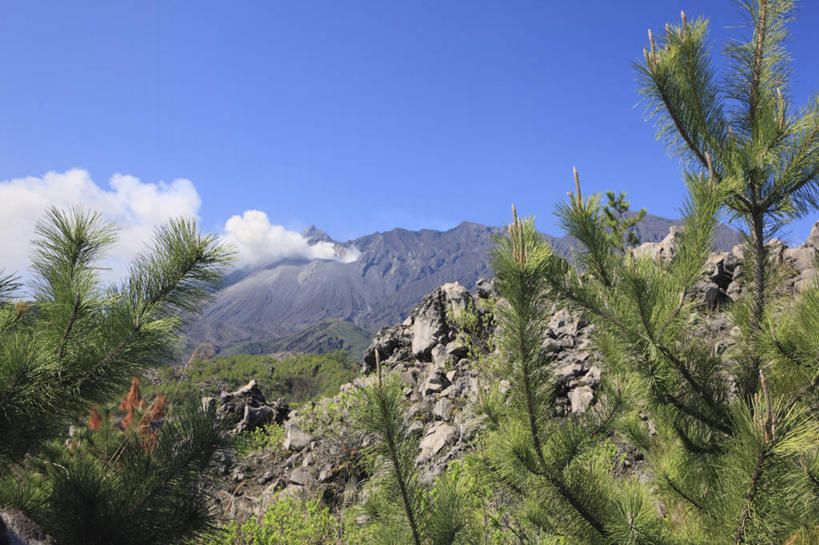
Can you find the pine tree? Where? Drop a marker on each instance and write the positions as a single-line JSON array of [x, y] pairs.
[[399, 508], [76, 344], [742, 129], [734, 455]]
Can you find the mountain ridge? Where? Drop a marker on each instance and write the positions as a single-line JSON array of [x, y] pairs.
[[394, 270]]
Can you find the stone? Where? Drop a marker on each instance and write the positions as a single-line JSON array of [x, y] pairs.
[[456, 350], [717, 269], [300, 476], [802, 259], [410, 377], [424, 337], [17, 529], [486, 288], [580, 398], [709, 294], [806, 280], [255, 417], [296, 439], [437, 437], [664, 250], [434, 384], [592, 377], [813, 238], [571, 370], [326, 474], [439, 356], [443, 409]]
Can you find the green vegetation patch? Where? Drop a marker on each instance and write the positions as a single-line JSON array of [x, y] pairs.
[[297, 378]]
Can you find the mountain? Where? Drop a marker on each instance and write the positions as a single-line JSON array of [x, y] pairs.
[[393, 271]]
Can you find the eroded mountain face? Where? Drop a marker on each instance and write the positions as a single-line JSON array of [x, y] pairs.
[[392, 273]]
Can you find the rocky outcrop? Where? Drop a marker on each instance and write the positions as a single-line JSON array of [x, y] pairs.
[[17, 529], [321, 451], [726, 277], [249, 406]]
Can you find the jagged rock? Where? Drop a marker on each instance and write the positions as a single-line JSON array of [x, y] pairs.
[[580, 398], [711, 295], [255, 417], [719, 269], [486, 289], [813, 238], [664, 250], [234, 403], [300, 476], [437, 437], [429, 319], [296, 439], [802, 258], [392, 344], [456, 350], [806, 280], [435, 384], [443, 409], [17, 529]]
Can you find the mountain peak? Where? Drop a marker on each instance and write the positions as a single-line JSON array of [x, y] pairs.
[[313, 235]]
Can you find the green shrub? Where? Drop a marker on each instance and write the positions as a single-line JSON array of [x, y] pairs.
[[268, 437], [293, 521]]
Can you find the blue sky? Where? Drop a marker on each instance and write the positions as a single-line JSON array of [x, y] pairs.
[[354, 116]]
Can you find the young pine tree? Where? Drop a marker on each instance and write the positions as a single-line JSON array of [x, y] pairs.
[[734, 455], [399, 508], [743, 129], [78, 343]]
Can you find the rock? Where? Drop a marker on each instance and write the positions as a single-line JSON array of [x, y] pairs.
[[410, 377], [300, 476], [437, 437], [803, 258], [486, 289], [720, 269], [434, 384], [425, 333], [443, 409], [392, 344], [234, 403], [326, 474], [806, 280], [17, 529], [580, 398], [456, 350], [439, 356], [429, 319], [592, 377], [255, 417], [296, 439], [568, 371], [664, 250], [813, 238], [709, 294]]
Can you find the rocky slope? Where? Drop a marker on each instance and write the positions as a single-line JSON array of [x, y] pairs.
[[393, 272], [319, 453]]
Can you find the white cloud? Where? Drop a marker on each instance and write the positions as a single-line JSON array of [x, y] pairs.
[[258, 242], [136, 207]]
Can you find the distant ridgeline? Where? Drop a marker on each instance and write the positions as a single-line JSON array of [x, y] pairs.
[[319, 306]]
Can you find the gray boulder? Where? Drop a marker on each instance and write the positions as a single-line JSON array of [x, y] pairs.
[[17, 529]]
